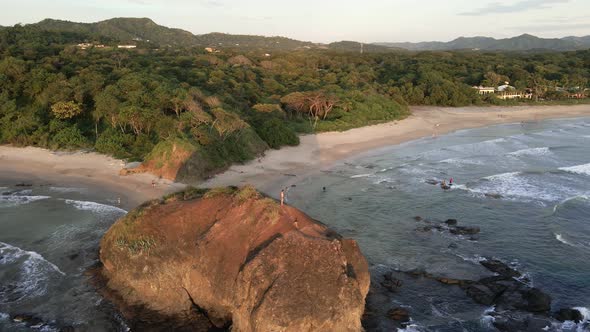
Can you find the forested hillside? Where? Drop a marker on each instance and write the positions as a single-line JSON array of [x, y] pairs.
[[230, 106], [147, 32]]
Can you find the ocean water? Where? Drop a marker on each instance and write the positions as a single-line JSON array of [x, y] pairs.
[[49, 237], [526, 185], [540, 223]]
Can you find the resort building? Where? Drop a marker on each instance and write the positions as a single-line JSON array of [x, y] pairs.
[[126, 46], [513, 94], [484, 90]]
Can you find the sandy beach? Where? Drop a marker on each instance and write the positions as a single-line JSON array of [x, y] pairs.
[[95, 172], [287, 166], [277, 169]]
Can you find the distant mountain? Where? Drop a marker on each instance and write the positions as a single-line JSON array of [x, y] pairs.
[[583, 42], [144, 29], [524, 42], [352, 46], [123, 29], [248, 41]]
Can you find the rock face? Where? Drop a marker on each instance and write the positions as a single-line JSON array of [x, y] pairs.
[[239, 258]]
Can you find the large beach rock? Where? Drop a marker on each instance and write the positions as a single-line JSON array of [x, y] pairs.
[[237, 257]]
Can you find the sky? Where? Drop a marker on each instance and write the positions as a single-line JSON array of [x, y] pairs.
[[328, 20]]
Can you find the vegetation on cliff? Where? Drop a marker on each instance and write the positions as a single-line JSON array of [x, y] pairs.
[[228, 106]]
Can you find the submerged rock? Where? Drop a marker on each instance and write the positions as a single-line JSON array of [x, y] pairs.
[[451, 222], [237, 258], [391, 283], [399, 314], [464, 230], [573, 315]]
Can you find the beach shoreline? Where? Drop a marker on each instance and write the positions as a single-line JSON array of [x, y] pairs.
[[270, 173]]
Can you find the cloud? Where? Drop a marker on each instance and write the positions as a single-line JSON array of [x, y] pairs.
[[515, 7]]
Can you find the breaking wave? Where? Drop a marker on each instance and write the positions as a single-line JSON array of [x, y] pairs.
[[95, 207], [14, 199], [362, 176], [459, 161], [579, 169], [521, 186], [531, 152], [35, 273]]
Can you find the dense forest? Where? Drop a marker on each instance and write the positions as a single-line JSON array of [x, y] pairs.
[[230, 105]]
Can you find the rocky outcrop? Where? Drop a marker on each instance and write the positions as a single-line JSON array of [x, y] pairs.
[[449, 225], [237, 258]]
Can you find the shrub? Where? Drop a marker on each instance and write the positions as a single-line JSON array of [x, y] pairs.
[[69, 138], [115, 143], [276, 133]]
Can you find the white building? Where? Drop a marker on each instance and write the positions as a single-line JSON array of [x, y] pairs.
[[127, 46], [484, 90]]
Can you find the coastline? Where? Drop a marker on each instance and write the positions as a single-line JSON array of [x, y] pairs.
[[282, 168], [97, 173], [277, 169]]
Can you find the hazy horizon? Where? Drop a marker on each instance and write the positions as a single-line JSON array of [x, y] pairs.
[[369, 21]]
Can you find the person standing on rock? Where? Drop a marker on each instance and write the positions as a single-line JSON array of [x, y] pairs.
[[282, 197]]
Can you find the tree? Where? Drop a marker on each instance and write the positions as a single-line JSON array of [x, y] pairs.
[[66, 110]]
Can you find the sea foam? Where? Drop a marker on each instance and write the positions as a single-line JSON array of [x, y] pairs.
[[544, 151], [362, 176], [35, 272], [95, 207], [579, 169], [14, 200]]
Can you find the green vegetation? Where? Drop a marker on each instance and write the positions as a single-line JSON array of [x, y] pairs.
[[187, 194], [136, 246], [219, 108]]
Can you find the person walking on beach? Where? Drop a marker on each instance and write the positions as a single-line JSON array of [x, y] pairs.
[[282, 197]]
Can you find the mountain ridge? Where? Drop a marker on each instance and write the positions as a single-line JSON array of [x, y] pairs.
[[522, 42], [126, 29]]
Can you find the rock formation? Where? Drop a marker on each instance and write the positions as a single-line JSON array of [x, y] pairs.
[[238, 258]]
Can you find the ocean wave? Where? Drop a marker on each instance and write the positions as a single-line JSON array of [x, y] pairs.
[[559, 237], [487, 320], [579, 169], [460, 161], [544, 151], [585, 313], [14, 200], [522, 187], [474, 259], [4, 316], [362, 176], [411, 328], [569, 199], [95, 207], [34, 276]]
